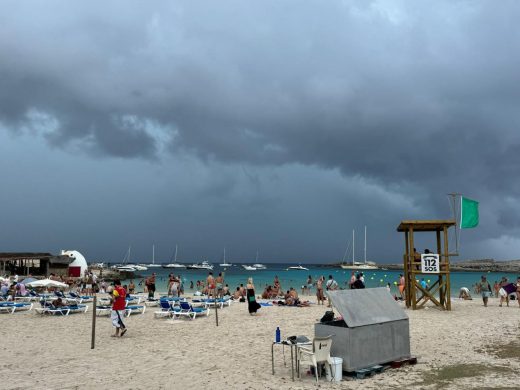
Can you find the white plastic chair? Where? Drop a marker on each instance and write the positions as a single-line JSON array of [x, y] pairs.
[[320, 353]]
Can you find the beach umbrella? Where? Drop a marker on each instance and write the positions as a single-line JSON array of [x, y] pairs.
[[47, 283], [28, 280]]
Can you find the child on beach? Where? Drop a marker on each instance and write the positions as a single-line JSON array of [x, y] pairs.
[[118, 309]]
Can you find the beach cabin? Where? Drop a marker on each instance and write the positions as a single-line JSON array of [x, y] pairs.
[[374, 329], [78, 266]]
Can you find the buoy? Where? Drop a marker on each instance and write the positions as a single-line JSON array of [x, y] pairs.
[[395, 283], [381, 280]]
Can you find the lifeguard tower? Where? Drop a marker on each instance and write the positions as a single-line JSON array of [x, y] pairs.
[[434, 266]]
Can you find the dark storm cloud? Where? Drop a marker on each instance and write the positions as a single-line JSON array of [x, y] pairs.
[[415, 96]]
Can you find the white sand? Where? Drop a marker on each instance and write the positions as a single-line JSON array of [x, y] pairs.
[[52, 352]]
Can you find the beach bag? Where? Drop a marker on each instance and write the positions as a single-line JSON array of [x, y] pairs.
[[328, 316]]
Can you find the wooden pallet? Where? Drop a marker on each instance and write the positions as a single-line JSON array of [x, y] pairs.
[[399, 363], [367, 372]]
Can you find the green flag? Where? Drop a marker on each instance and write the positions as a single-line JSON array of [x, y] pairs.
[[468, 213]]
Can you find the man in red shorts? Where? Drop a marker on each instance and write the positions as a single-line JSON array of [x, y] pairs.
[[118, 308]]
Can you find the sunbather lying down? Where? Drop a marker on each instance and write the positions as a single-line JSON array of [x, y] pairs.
[[289, 301]]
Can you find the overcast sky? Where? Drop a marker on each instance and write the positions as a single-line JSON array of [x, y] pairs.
[[276, 126]]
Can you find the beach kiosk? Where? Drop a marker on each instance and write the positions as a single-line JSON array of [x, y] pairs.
[[433, 265], [374, 329]]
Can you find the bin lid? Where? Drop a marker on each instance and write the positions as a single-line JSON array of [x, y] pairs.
[[366, 306]]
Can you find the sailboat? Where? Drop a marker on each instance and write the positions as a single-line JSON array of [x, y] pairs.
[[258, 265], [153, 265], [129, 267], [174, 264], [355, 264], [225, 263]]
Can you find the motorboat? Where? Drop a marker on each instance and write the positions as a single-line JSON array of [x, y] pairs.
[[203, 265], [125, 268], [297, 267], [137, 267], [174, 265], [249, 267], [259, 266]]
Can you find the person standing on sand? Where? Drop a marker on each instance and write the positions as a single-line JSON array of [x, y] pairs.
[[401, 286], [118, 308], [496, 287], [219, 283], [210, 281], [252, 304], [352, 278], [151, 286], [485, 290]]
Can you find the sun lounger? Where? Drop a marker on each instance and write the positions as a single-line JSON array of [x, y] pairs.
[[187, 310], [11, 307], [133, 300], [103, 310], [167, 309], [48, 308], [135, 309], [81, 298]]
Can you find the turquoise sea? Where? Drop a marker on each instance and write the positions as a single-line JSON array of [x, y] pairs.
[[236, 275]]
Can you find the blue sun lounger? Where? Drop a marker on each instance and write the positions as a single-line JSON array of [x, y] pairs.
[[11, 307], [189, 311]]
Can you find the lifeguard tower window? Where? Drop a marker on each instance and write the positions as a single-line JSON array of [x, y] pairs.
[[438, 291]]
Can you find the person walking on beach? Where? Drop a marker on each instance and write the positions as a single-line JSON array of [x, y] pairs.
[[319, 290], [252, 304], [485, 290], [352, 278], [118, 309], [151, 286], [401, 286], [331, 284], [219, 283], [210, 282]]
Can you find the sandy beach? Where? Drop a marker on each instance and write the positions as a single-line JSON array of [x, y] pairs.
[[470, 347]]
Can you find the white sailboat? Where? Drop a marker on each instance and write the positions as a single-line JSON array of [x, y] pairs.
[[174, 264], [225, 263], [258, 265], [153, 265], [355, 264]]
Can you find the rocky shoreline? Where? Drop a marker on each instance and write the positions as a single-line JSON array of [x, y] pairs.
[[479, 265], [473, 265]]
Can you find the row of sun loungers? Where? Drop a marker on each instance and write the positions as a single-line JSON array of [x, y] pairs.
[[11, 307]]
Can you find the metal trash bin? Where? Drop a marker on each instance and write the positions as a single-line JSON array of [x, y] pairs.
[[374, 330]]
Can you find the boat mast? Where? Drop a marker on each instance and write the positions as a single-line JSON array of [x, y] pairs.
[[365, 244], [353, 242], [225, 255], [153, 254], [175, 258]]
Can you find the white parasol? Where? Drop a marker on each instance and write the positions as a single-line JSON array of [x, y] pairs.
[[47, 283]]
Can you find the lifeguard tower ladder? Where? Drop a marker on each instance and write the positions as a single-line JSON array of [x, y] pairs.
[[416, 295]]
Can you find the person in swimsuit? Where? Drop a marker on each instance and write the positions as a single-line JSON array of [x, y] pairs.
[[319, 290], [219, 282], [485, 290], [401, 285], [210, 281], [252, 304]]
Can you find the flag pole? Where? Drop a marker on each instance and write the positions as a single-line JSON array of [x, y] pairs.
[[453, 197]]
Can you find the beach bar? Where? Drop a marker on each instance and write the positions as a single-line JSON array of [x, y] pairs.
[[35, 263], [374, 329]]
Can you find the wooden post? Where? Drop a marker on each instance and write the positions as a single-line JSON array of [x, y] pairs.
[[93, 337], [411, 287], [406, 268], [441, 261], [447, 269]]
